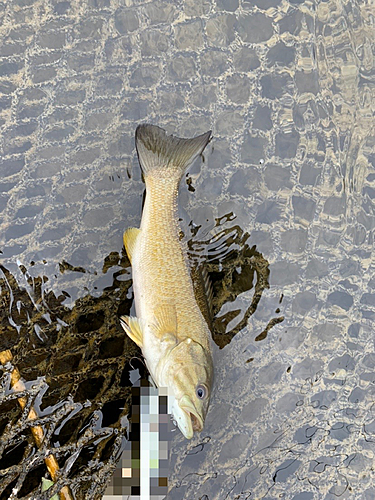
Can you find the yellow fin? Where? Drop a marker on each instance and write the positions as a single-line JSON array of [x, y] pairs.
[[130, 238], [165, 320], [133, 328]]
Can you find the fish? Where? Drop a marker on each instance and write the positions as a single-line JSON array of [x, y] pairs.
[[169, 325]]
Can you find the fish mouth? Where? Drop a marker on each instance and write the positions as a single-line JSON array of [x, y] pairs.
[[187, 417]]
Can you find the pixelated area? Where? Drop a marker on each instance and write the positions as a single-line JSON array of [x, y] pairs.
[[142, 471]]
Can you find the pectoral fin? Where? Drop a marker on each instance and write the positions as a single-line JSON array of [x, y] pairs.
[[130, 238], [165, 320], [133, 328]]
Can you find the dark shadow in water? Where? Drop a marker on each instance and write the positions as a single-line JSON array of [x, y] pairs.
[[233, 268], [79, 360]]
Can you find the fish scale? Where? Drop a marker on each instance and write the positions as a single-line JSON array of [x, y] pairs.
[[169, 327]]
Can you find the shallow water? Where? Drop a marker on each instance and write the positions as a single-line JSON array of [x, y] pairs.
[[288, 90]]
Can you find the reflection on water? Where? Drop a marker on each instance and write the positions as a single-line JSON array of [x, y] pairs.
[[287, 88]]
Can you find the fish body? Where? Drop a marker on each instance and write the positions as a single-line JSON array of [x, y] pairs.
[[169, 325]]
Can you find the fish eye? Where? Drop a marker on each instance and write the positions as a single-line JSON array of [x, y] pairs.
[[201, 391]]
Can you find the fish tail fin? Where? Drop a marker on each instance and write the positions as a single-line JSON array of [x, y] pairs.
[[159, 151]]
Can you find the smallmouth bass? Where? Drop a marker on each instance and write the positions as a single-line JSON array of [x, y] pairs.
[[169, 326]]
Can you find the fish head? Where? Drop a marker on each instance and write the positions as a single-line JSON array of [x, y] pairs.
[[188, 376]]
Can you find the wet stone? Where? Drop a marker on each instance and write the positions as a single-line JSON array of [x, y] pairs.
[[303, 302], [138, 109], [21, 34], [220, 30], [11, 167], [5, 103], [287, 403], [3, 201], [368, 299], [29, 211], [276, 85], [80, 63], [262, 118], [10, 68], [234, 447], [304, 208], [40, 75], [182, 69], [282, 54], [31, 111], [291, 338], [245, 182], [323, 399], [326, 332], [272, 373], [70, 97], [44, 58], [85, 156], [294, 240], [287, 468], [145, 76], [212, 187], [305, 433], [277, 177], [214, 63], [98, 217], [17, 147], [268, 212], [7, 87], [286, 144], [316, 269], [92, 27], [238, 88], [153, 42], [189, 36], [203, 96], [252, 150], [307, 369], [335, 206], [99, 121], [252, 411], [197, 8], [262, 4], [345, 362], [229, 122], [51, 40], [160, 12], [328, 237], [245, 59], [24, 130], [227, 5], [59, 133], [126, 21], [341, 299], [254, 28], [284, 273], [19, 230], [340, 431], [109, 85], [12, 49]]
